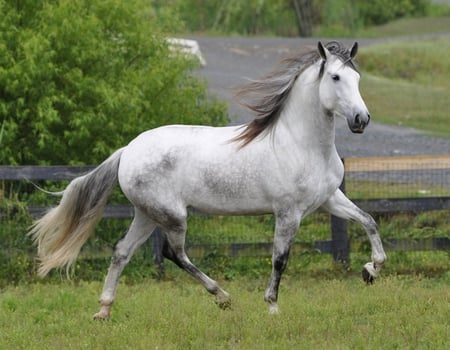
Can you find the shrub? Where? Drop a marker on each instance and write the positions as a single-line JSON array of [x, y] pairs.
[[382, 11], [79, 79]]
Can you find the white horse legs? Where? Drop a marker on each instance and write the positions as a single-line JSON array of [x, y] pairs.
[[339, 205], [287, 224], [174, 250], [140, 230], [285, 229]]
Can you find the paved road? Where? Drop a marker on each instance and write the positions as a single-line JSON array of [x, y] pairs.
[[231, 60]]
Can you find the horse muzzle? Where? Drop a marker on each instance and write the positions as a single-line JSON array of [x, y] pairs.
[[358, 122]]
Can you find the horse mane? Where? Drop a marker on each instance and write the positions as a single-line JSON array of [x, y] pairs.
[[267, 96]]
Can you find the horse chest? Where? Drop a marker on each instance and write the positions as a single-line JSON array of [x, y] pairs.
[[313, 183]]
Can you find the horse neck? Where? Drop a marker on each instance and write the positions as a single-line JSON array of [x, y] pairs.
[[303, 119]]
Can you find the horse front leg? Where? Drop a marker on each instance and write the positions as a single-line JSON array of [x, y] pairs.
[[286, 227], [339, 205]]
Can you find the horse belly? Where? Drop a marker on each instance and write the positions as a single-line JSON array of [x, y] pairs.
[[186, 172], [226, 196]]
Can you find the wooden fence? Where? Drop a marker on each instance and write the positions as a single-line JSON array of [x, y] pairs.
[[393, 205], [339, 245]]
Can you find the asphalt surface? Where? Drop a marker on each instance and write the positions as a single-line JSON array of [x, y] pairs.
[[231, 61]]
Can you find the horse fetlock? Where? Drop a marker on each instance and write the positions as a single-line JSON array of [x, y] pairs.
[[373, 269]]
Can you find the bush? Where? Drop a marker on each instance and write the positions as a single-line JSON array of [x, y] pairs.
[[241, 17], [333, 18], [382, 11], [79, 79]]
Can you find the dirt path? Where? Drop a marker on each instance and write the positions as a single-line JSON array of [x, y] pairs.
[[231, 60]]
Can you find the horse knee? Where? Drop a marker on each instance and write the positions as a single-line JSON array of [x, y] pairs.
[[379, 258], [369, 223], [121, 254], [119, 259]]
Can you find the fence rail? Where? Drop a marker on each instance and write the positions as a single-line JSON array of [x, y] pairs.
[[440, 161], [264, 249], [339, 246]]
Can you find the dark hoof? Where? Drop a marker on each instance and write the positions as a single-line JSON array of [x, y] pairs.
[[367, 277], [224, 305]]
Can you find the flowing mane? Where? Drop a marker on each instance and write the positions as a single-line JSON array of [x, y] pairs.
[[267, 96]]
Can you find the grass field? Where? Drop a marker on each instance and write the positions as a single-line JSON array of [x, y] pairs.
[[395, 313], [408, 83], [407, 27]]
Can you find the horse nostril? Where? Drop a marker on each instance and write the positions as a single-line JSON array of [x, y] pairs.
[[357, 120], [368, 118]]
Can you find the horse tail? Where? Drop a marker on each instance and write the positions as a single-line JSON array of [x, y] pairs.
[[63, 230]]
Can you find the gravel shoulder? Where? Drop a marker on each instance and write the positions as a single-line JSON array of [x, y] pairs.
[[231, 61]]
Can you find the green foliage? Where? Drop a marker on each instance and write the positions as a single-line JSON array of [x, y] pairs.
[[382, 11], [79, 79], [338, 18], [436, 9], [237, 17], [343, 18], [407, 27], [330, 18], [15, 263]]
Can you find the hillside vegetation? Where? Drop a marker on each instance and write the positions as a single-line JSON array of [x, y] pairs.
[[408, 83]]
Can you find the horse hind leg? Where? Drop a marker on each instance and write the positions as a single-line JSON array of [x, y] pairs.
[[140, 230], [173, 249]]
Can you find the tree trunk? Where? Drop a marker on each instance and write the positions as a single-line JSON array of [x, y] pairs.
[[303, 12]]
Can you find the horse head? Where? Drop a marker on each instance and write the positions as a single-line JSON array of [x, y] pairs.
[[339, 86]]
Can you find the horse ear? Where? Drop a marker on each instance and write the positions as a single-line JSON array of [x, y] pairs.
[[323, 51], [354, 50]]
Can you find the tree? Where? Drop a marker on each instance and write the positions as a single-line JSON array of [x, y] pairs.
[[79, 79], [303, 12]]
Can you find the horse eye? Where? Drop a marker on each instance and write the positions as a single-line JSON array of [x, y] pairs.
[[335, 77]]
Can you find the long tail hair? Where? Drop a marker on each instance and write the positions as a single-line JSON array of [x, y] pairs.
[[62, 232]]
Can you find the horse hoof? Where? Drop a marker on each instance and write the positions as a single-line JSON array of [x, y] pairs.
[[367, 277], [224, 304], [223, 300], [273, 309], [370, 272], [101, 316]]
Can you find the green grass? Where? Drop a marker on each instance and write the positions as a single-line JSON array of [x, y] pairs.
[[408, 83], [407, 27], [395, 313], [422, 62]]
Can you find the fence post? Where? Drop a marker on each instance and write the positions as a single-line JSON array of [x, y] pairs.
[[158, 243], [340, 244]]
